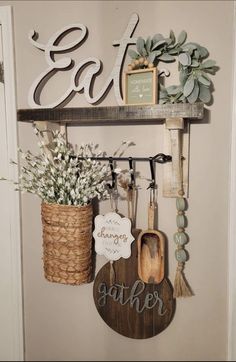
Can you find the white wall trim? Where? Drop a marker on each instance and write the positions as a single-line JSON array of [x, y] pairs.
[[17, 340], [232, 220]]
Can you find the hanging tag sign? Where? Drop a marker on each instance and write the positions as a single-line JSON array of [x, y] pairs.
[[113, 236]]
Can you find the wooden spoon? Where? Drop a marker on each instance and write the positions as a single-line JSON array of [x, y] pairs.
[[151, 245]]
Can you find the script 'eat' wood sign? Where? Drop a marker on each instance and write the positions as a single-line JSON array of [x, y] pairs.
[[129, 306]]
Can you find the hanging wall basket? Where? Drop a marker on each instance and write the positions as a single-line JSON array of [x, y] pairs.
[[67, 243]]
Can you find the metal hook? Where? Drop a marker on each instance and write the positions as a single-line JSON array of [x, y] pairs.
[[131, 172], [113, 187], [113, 174], [153, 179], [152, 185], [162, 158]]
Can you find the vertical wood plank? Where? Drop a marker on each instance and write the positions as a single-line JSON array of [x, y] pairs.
[[185, 154], [176, 143], [11, 311]]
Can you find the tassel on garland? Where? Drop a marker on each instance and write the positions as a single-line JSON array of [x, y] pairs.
[[181, 286]]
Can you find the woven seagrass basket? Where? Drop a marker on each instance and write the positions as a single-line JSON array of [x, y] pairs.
[[67, 243]]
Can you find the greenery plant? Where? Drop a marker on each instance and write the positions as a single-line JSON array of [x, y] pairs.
[[195, 83], [65, 174]]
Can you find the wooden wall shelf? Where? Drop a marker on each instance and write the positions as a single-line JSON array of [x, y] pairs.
[[112, 114], [175, 118]]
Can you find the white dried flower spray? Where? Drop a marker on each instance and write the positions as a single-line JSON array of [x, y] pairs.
[[61, 175]]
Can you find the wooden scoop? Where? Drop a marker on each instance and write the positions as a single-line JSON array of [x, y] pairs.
[[151, 244]]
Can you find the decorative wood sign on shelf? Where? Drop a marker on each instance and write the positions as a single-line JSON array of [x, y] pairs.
[[129, 306], [93, 64], [141, 87]]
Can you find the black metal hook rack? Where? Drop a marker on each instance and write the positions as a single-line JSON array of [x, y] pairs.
[[159, 158]]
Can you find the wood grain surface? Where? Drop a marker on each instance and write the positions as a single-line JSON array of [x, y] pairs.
[[128, 305], [112, 114]]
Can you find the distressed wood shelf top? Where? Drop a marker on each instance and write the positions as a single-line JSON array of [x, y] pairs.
[[112, 114]]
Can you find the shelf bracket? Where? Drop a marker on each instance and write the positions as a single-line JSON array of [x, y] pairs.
[[176, 144]]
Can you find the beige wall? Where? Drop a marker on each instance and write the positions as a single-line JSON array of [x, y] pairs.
[[61, 322]]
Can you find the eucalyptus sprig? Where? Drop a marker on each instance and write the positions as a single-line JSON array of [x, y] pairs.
[[195, 83], [158, 48], [194, 70]]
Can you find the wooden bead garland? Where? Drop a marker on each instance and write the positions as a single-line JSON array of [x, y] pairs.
[[140, 63], [181, 286]]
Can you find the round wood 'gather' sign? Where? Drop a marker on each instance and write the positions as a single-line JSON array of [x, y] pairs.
[[128, 305]]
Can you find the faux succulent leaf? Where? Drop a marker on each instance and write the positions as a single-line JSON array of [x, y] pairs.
[[182, 98], [158, 44], [148, 44], [212, 70], [162, 87], [208, 64], [168, 41], [152, 57], [157, 52], [163, 94], [192, 98], [189, 47], [183, 76], [202, 79], [173, 89], [171, 46], [189, 86], [157, 37], [165, 57], [195, 63], [204, 94], [144, 52], [178, 96], [204, 74], [140, 45], [196, 54], [185, 59], [174, 51], [203, 51], [194, 47], [172, 36], [133, 54], [182, 37]]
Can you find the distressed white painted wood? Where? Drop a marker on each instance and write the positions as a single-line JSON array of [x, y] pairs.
[[176, 144], [11, 314], [232, 223], [91, 65], [113, 236]]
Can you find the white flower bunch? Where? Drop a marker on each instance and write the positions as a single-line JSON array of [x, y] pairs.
[[60, 174]]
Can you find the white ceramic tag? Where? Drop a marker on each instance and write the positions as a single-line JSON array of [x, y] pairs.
[[113, 236]]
